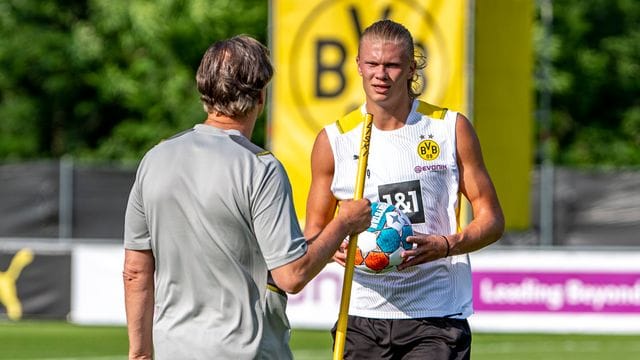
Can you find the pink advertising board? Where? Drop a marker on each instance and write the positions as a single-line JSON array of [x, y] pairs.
[[520, 290], [556, 292]]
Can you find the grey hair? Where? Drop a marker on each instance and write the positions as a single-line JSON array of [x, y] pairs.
[[392, 31], [231, 75]]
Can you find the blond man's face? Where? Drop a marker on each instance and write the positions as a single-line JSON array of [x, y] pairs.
[[385, 71]]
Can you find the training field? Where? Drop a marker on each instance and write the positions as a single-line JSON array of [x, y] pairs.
[[63, 341]]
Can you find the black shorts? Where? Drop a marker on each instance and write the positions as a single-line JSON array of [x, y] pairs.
[[424, 338]]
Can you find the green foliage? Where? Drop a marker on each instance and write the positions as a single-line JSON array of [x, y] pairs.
[[101, 79], [107, 79], [595, 51]]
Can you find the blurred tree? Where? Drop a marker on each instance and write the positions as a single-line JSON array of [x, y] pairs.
[[103, 79], [595, 82], [107, 79]]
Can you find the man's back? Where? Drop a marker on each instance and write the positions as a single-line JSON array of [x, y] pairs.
[[201, 191], [208, 215]]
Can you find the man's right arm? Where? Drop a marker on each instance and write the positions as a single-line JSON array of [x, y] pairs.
[[324, 232], [139, 266], [321, 204]]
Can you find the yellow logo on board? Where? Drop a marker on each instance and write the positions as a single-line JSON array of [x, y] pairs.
[[8, 291], [321, 65], [428, 150]]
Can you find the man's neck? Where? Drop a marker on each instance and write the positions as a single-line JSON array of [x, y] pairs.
[[243, 124], [390, 116]]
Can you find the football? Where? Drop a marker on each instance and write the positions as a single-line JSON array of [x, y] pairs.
[[380, 246]]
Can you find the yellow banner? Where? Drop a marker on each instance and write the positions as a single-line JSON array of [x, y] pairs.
[[503, 97], [314, 46]]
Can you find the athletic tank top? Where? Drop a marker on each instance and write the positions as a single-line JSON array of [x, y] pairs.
[[415, 169]]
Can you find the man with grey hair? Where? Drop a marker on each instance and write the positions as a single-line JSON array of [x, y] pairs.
[[211, 235]]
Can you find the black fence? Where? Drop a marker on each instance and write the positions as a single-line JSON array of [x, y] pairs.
[[59, 200], [51, 199]]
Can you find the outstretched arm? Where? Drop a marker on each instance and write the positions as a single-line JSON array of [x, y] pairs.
[[324, 232]]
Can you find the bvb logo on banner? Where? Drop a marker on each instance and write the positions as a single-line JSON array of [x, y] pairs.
[[314, 45], [323, 79]]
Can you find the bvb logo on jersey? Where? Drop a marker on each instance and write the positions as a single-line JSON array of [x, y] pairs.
[[428, 150]]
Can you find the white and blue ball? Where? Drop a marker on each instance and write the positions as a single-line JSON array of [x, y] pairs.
[[381, 245]]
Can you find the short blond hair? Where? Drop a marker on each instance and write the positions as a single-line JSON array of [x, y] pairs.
[[390, 30]]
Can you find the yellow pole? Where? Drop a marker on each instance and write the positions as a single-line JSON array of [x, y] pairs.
[[341, 328]]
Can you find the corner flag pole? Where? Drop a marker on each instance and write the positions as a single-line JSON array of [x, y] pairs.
[[341, 328]]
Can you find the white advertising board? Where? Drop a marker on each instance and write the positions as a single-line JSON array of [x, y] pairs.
[[530, 290], [97, 291]]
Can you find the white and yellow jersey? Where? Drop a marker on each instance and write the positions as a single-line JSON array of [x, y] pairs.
[[414, 168]]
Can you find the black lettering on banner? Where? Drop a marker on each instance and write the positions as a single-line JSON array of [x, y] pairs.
[[320, 74], [337, 68], [356, 18], [405, 196], [324, 69], [419, 47]]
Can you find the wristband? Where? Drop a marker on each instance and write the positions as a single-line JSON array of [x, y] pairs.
[[448, 245]]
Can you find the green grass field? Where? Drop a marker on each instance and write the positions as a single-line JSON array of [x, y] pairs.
[[63, 341]]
